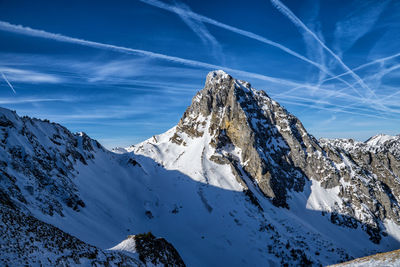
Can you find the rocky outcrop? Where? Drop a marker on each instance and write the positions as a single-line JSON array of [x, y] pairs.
[[277, 152], [37, 159], [39, 162], [156, 250], [370, 183], [27, 241], [279, 156], [233, 146]]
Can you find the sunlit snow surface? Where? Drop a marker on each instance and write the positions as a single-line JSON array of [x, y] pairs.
[[388, 259], [176, 192]]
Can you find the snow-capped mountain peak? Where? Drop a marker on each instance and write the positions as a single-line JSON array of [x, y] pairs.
[[266, 150], [381, 139], [239, 181]]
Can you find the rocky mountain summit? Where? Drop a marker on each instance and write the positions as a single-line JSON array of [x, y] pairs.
[[277, 152], [279, 155], [239, 182]]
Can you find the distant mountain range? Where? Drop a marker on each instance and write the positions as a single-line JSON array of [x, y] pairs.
[[238, 182]]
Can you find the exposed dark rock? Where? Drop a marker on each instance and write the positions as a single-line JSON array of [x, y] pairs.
[[25, 240], [279, 156], [133, 162], [156, 250], [372, 177], [266, 133], [47, 159]]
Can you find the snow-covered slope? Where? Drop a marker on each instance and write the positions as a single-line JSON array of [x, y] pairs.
[[51, 186], [27, 241], [388, 259], [237, 138], [238, 182]]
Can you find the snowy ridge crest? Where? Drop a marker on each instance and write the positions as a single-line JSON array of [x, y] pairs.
[[239, 177], [267, 147]]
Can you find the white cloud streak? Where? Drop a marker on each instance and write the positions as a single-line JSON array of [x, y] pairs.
[[323, 102], [376, 61], [29, 76], [337, 110], [200, 30], [5, 101], [314, 50], [247, 34], [9, 84], [371, 63], [296, 21], [5, 26], [368, 64], [357, 23]]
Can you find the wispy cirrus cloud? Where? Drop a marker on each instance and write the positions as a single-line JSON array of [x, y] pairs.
[[236, 30], [377, 77], [110, 70], [5, 26], [114, 69], [357, 23], [130, 74], [314, 50], [337, 109], [199, 29], [28, 76], [368, 64], [245, 33], [137, 74], [25, 100], [296, 21]]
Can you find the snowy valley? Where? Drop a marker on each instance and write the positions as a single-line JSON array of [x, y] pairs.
[[238, 182]]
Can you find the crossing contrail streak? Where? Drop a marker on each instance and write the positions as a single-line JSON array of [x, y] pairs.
[[5, 26], [371, 63], [376, 61], [295, 20], [179, 11], [9, 84]]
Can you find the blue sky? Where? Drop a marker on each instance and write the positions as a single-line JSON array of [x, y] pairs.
[[124, 71]]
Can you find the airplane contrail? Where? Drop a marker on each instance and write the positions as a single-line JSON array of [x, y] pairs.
[[179, 11], [376, 61], [201, 31], [5, 26], [9, 84], [336, 110], [295, 20]]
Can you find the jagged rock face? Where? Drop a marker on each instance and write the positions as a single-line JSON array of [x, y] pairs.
[[371, 183], [39, 165], [156, 250], [27, 241], [202, 185], [279, 155], [45, 153], [278, 152]]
